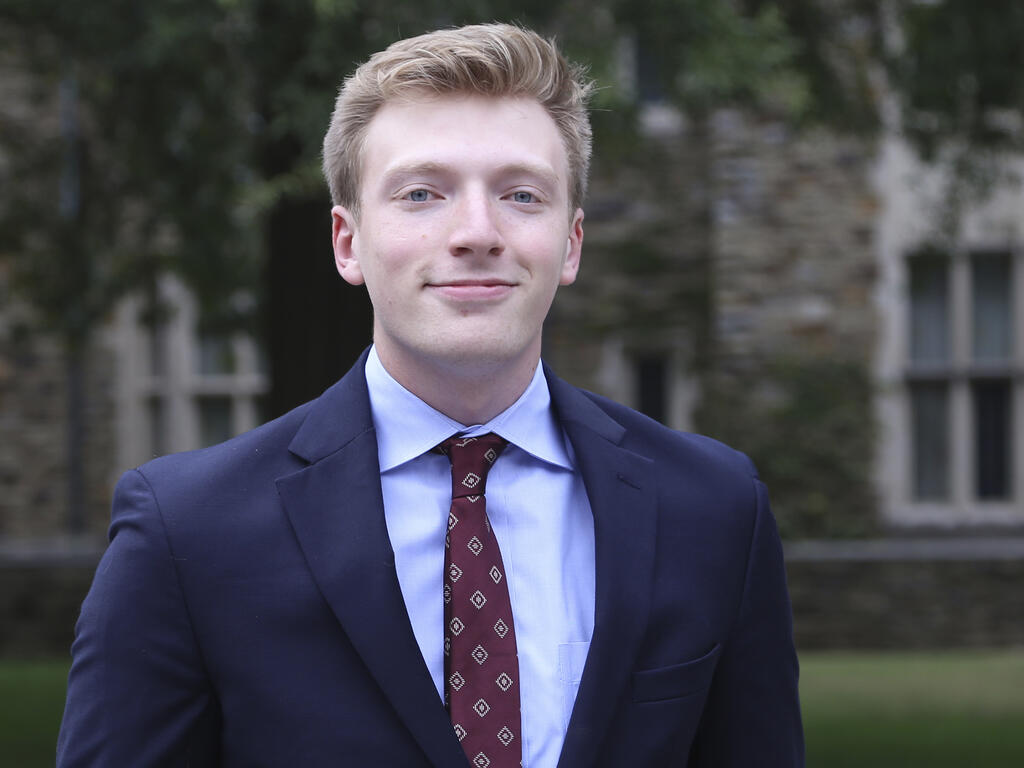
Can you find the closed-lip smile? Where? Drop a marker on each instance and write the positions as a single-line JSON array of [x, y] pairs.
[[473, 289]]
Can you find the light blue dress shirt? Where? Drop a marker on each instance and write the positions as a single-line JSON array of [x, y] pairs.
[[542, 519]]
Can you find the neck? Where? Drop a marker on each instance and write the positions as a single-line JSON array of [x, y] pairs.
[[470, 392]]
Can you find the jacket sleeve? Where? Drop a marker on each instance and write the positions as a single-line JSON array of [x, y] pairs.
[[137, 694], [752, 715]]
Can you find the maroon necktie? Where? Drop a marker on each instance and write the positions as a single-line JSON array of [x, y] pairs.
[[481, 668]]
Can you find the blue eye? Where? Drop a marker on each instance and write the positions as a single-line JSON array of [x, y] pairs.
[[419, 195], [523, 197]]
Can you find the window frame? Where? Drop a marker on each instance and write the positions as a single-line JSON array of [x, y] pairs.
[[962, 504], [159, 369]]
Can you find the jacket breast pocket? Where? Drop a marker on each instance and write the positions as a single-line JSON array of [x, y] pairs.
[[676, 681]]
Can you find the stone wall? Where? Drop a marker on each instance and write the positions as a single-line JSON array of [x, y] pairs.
[[33, 432], [740, 238], [643, 279], [795, 259], [41, 591], [907, 594]]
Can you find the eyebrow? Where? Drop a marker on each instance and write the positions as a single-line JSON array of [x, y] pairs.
[[431, 168], [413, 169]]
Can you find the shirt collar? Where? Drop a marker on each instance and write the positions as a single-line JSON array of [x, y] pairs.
[[407, 427]]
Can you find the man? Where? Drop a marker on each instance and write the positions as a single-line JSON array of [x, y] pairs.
[[313, 593]]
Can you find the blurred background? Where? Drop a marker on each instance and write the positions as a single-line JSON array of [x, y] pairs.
[[804, 237]]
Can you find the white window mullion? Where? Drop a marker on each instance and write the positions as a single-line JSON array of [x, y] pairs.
[[962, 480], [961, 416], [960, 310], [182, 418], [246, 413], [1017, 437]]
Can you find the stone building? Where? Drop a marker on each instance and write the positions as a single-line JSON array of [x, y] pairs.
[[705, 264], [829, 254]]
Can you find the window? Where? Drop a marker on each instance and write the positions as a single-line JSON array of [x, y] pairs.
[[215, 422], [992, 412], [179, 388], [216, 355], [651, 386], [930, 431], [157, 423], [961, 376], [929, 309]]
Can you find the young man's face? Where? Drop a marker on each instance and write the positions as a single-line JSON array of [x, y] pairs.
[[464, 231]]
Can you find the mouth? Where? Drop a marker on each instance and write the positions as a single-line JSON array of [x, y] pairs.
[[478, 289]]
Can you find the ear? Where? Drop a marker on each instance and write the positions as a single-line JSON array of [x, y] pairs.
[[343, 235], [573, 250]]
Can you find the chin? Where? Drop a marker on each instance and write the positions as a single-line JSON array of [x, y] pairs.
[[485, 352]]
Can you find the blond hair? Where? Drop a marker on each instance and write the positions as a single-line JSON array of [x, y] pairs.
[[485, 59]]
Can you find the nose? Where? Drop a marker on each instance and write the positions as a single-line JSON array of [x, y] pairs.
[[475, 227]]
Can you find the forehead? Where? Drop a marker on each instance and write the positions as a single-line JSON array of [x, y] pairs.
[[469, 133]]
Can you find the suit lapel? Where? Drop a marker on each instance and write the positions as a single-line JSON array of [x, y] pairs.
[[622, 492], [336, 509]]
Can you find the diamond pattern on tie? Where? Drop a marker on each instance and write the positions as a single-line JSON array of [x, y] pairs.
[[479, 655], [481, 666], [481, 707]]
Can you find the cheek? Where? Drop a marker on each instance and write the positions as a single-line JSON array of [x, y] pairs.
[[401, 241], [386, 254], [548, 253]]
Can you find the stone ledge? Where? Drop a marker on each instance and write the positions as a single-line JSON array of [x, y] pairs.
[[906, 549], [53, 552]]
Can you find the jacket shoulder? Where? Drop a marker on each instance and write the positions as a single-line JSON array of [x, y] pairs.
[[266, 444]]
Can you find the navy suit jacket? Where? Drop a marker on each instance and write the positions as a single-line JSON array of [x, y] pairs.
[[247, 611]]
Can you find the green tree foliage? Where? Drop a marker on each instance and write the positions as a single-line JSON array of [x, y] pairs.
[[195, 118], [192, 119], [957, 66], [806, 423], [183, 136], [131, 163]]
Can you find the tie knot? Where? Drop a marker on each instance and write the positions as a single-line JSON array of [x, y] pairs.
[[471, 459]]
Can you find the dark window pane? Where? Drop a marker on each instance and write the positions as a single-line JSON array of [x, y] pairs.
[[991, 314], [263, 413], [930, 434], [992, 437], [216, 355], [651, 386], [648, 75], [929, 309], [157, 416], [215, 423], [157, 334]]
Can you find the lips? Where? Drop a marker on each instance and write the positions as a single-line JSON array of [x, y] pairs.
[[472, 290], [477, 290]]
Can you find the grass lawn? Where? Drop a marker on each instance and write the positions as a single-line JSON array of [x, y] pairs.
[[877, 710], [31, 704], [963, 709]]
